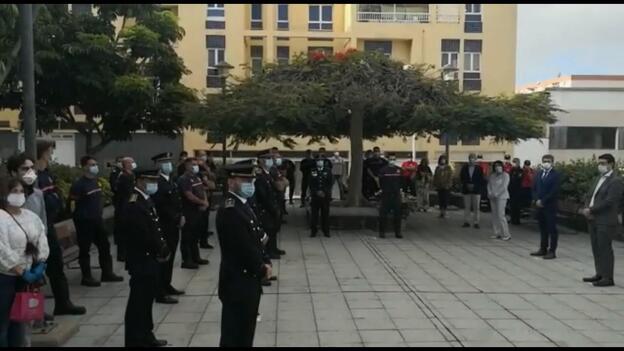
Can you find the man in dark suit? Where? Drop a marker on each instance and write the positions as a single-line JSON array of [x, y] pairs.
[[546, 190], [601, 210], [390, 182], [305, 166], [473, 182], [267, 204], [243, 264]]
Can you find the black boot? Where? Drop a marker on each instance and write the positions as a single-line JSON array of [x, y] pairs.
[[106, 264], [87, 278], [68, 308], [62, 303]]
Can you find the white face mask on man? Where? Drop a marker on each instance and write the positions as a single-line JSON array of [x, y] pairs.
[[16, 200], [30, 177]]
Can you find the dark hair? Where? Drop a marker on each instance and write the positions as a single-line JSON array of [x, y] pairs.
[[442, 157], [549, 156], [497, 163], [6, 184], [43, 146], [322, 149], [527, 162], [376, 148], [14, 162], [424, 161], [183, 153], [516, 159], [85, 159], [274, 148], [189, 160], [507, 157], [607, 157]]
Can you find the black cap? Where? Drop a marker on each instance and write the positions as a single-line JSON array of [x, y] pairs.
[[147, 173], [265, 155], [242, 170], [249, 161], [165, 156]]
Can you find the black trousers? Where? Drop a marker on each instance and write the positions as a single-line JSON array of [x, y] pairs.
[[203, 226], [547, 218], [172, 236], [305, 185], [409, 185], [320, 205], [601, 242], [387, 206], [515, 204], [189, 243], [443, 198], [118, 232], [92, 231], [55, 270], [291, 188], [238, 322], [138, 321]]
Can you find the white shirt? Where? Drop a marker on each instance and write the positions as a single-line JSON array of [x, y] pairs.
[[13, 240], [142, 193], [164, 176], [600, 181], [243, 200]]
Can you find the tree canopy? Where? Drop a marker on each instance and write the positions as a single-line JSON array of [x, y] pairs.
[[121, 80]]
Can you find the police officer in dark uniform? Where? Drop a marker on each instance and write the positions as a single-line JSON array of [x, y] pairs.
[[123, 190], [147, 250], [242, 263], [305, 166], [194, 203], [267, 204], [114, 174], [321, 183], [169, 208], [390, 183], [54, 206], [87, 195]]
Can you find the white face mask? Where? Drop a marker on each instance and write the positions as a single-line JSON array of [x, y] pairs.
[[134, 165], [603, 169], [30, 177], [16, 200], [546, 165], [195, 169], [499, 169]]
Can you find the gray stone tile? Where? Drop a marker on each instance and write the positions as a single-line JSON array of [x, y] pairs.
[[335, 338], [428, 344], [182, 317], [298, 339], [534, 344], [604, 336], [467, 323], [522, 335], [585, 324], [205, 340], [486, 334], [381, 336], [421, 335]]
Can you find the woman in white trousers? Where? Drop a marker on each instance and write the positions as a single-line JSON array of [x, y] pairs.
[[498, 182]]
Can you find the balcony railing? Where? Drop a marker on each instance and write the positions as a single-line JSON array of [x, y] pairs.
[[393, 17], [442, 18]]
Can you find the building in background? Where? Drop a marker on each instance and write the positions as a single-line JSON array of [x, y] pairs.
[[593, 121]]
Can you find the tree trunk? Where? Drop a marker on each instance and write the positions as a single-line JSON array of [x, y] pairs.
[[355, 178]]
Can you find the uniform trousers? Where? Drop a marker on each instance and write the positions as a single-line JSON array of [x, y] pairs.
[[547, 219], [189, 243], [138, 321], [472, 201], [54, 270], [238, 321], [172, 237], [387, 206], [601, 242], [321, 205], [92, 231]]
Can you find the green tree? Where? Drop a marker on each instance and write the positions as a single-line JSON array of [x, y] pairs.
[[360, 95], [121, 80]]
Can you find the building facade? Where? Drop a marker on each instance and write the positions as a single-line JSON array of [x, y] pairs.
[[477, 39], [592, 122]]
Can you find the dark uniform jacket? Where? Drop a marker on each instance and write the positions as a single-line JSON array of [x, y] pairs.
[[146, 243], [123, 189], [168, 201], [390, 182], [477, 180], [53, 202], [88, 197], [266, 201], [321, 180], [306, 165], [242, 260], [112, 178], [546, 188]]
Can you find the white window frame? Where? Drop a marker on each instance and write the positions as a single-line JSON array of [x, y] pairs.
[[215, 52], [447, 59], [256, 20], [215, 7], [471, 68], [321, 21], [282, 60], [283, 21], [255, 59], [472, 11]]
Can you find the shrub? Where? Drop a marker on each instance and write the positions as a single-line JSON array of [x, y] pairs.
[[64, 176], [578, 176]]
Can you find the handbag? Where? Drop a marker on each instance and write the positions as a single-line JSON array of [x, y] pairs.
[[27, 305]]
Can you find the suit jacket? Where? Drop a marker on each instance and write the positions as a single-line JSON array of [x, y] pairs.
[[242, 259], [477, 180], [266, 201], [547, 189], [607, 201]]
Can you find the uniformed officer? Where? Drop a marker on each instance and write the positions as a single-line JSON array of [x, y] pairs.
[[123, 190], [267, 205], [87, 195], [114, 174], [169, 208], [147, 249], [242, 262], [390, 183], [321, 183], [194, 203]]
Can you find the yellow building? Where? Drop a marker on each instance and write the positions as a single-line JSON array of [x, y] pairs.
[[478, 39]]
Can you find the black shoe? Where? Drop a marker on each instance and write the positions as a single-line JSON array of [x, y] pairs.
[[121, 259], [477, 226], [274, 256], [399, 236], [265, 282], [382, 235], [157, 343], [69, 309], [47, 317], [166, 299], [604, 282], [466, 225], [591, 279], [291, 202], [549, 256], [90, 282], [285, 212], [190, 265], [302, 206], [202, 262], [313, 235], [281, 252], [273, 277], [173, 291], [540, 252], [327, 235], [206, 245], [111, 277]]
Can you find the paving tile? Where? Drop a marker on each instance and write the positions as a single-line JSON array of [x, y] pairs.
[[381, 336], [334, 338], [421, 335]]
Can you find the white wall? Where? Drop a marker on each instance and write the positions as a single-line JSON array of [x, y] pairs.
[[531, 149], [588, 100]]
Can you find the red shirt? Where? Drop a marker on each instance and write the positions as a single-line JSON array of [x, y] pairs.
[[485, 168], [408, 164], [527, 177], [507, 166]]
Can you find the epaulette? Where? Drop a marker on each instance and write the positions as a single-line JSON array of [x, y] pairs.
[[133, 198], [229, 202]]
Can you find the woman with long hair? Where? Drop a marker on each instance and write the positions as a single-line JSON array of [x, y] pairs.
[[443, 181]]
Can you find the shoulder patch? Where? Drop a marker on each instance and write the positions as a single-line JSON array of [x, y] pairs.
[[229, 202], [133, 198]]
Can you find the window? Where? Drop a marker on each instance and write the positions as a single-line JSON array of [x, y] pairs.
[[473, 9], [472, 23], [379, 45], [452, 138], [472, 62], [327, 50], [283, 55], [282, 16], [216, 54], [472, 65], [215, 16], [450, 56], [256, 16], [256, 59], [582, 137], [320, 17], [470, 140]]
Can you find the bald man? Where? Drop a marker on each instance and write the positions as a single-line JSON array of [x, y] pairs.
[[124, 188]]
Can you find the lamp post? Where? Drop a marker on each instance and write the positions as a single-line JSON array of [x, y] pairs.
[[27, 76], [224, 71], [447, 146]]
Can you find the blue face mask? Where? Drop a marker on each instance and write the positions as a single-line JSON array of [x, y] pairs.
[[151, 188], [166, 168], [278, 162], [320, 164], [195, 169], [247, 190], [269, 163], [94, 170]]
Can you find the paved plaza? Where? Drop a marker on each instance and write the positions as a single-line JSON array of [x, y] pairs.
[[441, 285]]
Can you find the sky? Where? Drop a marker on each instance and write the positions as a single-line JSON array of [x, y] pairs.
[[569, 39]]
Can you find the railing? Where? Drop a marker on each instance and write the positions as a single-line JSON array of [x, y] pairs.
[[447, 18], [393, 17]]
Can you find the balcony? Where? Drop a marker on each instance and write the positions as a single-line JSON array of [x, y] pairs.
[[393, 17]]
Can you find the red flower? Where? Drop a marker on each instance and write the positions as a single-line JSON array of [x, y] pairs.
[[340, 56], [318, 55], [350, 51]]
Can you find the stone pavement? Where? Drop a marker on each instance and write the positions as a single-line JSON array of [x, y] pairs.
[[441, 285]]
